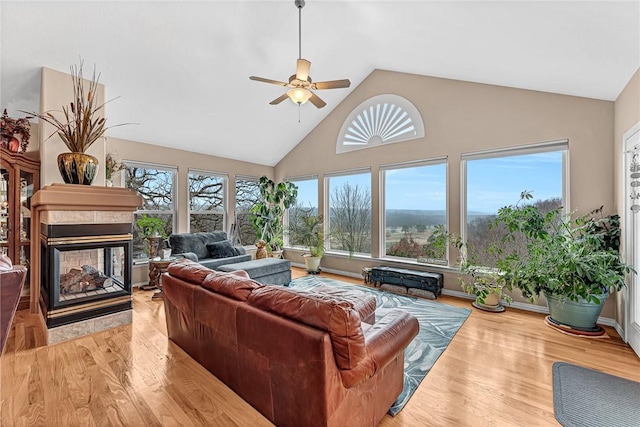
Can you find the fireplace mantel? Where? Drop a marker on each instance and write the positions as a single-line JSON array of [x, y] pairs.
[[75, 204]]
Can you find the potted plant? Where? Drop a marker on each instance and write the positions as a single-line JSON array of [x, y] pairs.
[[151, 230], [80, 126], [10, 128], [488, 284], [267, 215], [574, 262], [306, 229]]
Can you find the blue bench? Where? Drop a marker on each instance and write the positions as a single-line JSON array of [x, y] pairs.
[[410, 279]]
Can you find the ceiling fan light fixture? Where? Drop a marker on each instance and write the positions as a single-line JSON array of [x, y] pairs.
[[301, 85], [299, 95]]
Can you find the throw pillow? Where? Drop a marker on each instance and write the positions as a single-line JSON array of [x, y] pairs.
[[222, 249], [5, 263]]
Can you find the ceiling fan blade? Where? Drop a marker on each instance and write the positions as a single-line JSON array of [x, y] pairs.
[[332, 84], [315, 100], [262, 79], [279, 99], [302, 69]]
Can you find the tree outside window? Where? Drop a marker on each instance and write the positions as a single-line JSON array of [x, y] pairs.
[[206, 202], [247, 195], [350, 213], [307, 199]]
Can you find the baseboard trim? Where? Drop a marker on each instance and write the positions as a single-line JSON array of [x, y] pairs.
[[526, 306]]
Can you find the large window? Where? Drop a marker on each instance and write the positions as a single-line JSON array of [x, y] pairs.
[[496, 179], [247, 195], [415, 205], [307, 199], [156, 185], [349, 208], [206, 201]]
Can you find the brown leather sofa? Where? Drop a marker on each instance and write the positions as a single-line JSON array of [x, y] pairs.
[[11, 283], [300, 358]]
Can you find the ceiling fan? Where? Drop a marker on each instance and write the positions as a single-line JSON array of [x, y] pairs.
[[300, 83]]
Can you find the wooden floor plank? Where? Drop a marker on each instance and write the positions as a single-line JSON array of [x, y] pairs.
[[495, 372]]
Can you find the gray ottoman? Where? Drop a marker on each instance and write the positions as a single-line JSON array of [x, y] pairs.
[[268, 271]]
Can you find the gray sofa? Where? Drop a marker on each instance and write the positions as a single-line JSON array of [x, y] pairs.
[[198, 246]]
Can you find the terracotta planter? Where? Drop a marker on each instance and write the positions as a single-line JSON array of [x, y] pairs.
[[77, 168]]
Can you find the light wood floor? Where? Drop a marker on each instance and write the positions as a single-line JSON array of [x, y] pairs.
[[495, 372]]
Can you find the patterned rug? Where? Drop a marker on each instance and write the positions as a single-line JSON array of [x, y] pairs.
[[438, 324]]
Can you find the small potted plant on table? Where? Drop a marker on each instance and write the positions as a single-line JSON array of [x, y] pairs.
[[152, 230]]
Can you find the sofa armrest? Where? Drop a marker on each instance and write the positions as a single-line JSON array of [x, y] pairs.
[[187, 255], [384, 340], [389, 335], [240, 250]]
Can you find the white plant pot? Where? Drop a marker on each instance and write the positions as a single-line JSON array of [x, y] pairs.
[[492, 299], [312, 263]]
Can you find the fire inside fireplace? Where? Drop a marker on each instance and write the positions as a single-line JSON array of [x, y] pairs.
[[86, 271]]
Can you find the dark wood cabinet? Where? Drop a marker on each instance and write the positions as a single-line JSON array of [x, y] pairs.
[[19, 180]]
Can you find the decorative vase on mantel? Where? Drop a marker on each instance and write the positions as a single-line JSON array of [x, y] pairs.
[[79, 125], [77, 168]]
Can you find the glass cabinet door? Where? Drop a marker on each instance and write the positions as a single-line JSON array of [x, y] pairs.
[[5, 187], [26, 192]]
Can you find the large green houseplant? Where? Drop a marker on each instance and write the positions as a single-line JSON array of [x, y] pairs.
[[267, 215], [574, 261], [306, 229]]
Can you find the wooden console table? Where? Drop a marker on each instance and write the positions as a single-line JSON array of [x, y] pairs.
[[156, 268]]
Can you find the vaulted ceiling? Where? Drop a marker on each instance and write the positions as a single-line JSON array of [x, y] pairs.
[[181, 68]]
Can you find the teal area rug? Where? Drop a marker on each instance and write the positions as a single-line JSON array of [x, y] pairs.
[[583, 397], [438, 324]]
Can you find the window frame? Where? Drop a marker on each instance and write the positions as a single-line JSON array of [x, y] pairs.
[[225, 197], [294, 180], [561, 145], [382, 201], [174, 195], [327, 209], [235, 207]]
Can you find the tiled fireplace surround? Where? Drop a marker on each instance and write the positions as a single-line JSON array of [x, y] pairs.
[[73, 207]]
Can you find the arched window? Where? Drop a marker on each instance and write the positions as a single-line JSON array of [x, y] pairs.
[[382, 119]]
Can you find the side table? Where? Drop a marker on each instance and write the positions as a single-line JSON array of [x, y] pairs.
[[156, 268]]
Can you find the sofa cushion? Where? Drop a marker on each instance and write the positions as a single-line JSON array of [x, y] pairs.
[[215, 263], [195, 242], [189, 271], [221, 249], [326, 312], [236, 284]]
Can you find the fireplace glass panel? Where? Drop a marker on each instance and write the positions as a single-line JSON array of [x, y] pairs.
[[91, 272]]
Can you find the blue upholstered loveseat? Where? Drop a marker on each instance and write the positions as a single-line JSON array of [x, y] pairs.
[[209, 249]]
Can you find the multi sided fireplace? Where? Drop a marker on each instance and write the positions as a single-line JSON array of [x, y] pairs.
[[86, 271], [82, 269]]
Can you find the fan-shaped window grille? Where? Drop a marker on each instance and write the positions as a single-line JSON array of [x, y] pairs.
[[382, 119]]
